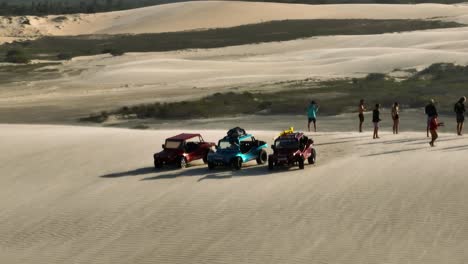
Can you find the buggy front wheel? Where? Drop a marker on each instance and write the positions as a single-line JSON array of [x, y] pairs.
[[313, 157], [236, 163], [157, 164], [262, 157]]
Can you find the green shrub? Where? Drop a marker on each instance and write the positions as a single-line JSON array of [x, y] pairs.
[[96, 118], [59, 19], [16, 56], [375, 77], [64, 56]]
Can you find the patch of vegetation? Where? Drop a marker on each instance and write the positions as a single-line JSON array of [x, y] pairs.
[[51, 47], [16, 56], [375, 77], [64, 56], [59, 19], [27, 72], [141, 126], [440, 71], [96, 118], [447, 82]]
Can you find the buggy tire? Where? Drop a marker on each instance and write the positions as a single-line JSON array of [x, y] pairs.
[[313, 157], [205, 158], [182, 163], [271, 165], [157, 164], [211, 165], [236, 163], [301, 163], [262, 157]]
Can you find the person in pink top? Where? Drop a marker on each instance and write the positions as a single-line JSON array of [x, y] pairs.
[[433, 126]]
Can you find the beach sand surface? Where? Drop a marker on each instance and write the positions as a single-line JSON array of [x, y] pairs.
[[90, 195]]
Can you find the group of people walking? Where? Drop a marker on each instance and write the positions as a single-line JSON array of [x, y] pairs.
[[430, 110]]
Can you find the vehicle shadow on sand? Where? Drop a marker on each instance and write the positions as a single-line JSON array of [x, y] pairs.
[[136, 172], [148, 170], [217, 174]]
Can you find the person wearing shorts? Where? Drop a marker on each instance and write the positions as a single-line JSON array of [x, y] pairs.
[[312, 115], [376, 120], [361, 110], [460, 110]]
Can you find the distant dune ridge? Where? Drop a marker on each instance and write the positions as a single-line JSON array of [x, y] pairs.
[[214, 14], [102, 82]]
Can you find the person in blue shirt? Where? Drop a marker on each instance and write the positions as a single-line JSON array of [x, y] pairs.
[[312, 115]]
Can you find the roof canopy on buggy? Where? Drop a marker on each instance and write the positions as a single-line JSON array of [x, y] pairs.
[[295, 135], [184, 136], [240, 138]]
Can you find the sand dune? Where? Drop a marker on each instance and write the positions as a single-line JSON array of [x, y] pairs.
[[90, 84], [214, 14], [389, 201], [107, 81]]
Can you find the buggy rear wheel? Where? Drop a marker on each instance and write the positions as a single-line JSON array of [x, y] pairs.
[[182, 163], [236, 163], [262, 157], [313, 157], [301, 163], [211, 165], [157, 164]]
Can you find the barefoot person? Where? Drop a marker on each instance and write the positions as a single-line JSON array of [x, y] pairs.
[[396, 117], [433, 125], [460, 110], [376, 120], [361, 110], [312, 115], [431, 111]]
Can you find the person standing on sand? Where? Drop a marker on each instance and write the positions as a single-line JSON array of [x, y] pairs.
[[376, 119], [312, 115], [460, 110], [361, 110], [396, 117], [431, 111], [433, 125]]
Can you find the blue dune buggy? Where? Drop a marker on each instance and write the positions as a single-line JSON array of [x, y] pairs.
[[237, 148]]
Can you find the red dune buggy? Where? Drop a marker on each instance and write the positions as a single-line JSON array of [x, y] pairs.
[[183, 149]]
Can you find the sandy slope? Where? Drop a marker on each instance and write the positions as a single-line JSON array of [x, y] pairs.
[[106, 82], [82, 195], [213, 14]]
